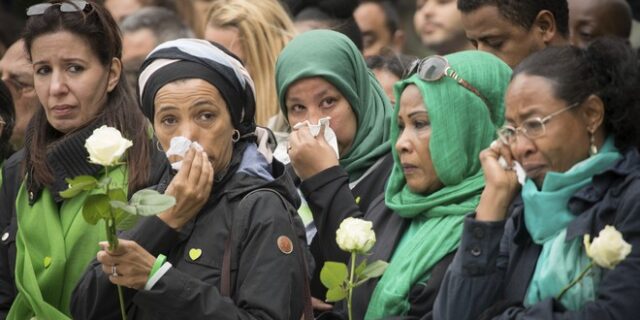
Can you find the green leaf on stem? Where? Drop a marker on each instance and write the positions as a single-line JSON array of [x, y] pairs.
[[77, 185], [336, 294], [150, 202], [123, 206], [373, 270], [333, 274], [96, 207], [126, 221], [104, 182], [117, 195], [361, 267]]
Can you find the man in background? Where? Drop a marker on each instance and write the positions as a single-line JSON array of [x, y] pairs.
[[17, 74], [378, 22], [590, 19], [144, 30], [438, 23], [513, 29]]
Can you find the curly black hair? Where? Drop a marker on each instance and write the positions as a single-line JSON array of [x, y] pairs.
[[608, 68], [524, 12]]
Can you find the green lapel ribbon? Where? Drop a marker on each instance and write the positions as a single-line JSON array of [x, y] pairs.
[[53, 248]]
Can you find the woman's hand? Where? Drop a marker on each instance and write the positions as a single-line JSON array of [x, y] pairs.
[[310, 155], [132, 263], [191, 187], [501, 184]]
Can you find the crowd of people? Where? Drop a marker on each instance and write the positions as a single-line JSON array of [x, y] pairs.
[[495, 172]]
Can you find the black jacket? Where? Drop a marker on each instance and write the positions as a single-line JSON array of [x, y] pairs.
[[266, 283], [492, 269], [331, 201]]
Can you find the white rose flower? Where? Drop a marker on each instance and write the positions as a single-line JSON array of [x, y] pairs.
[[608, 248], [106, 146], [355, 235]]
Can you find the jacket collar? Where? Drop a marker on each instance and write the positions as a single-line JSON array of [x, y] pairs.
[[585, 198], [67, 158]]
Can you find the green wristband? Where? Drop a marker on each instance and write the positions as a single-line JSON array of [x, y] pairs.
[[160, 260]]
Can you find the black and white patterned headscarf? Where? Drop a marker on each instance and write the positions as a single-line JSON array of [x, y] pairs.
[[199, 59]]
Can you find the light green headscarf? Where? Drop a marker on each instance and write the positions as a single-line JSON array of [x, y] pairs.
[[332, 56], [461, 126]]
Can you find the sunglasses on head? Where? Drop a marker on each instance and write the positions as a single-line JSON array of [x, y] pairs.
[[434, 68], [67, 6]]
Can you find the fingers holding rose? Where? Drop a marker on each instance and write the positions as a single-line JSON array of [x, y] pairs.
[[129, 265]]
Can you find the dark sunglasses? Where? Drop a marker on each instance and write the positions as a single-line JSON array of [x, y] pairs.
[[434, 68], [68, 6]]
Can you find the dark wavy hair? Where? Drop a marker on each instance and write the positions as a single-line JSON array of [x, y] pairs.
[[524, 12], [7, 112], [608, 68], [99, 29]]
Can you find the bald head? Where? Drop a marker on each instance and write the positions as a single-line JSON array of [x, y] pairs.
[[589, 19]]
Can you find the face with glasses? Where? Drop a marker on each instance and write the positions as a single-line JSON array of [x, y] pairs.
[[545, 133]]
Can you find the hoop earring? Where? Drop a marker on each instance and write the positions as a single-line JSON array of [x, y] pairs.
[[158, 146], [235, 136], [593, 150]]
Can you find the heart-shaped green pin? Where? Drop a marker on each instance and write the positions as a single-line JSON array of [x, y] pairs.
[[47, 262], [194, 254]]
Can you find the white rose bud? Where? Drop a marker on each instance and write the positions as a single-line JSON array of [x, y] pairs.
[[355, 235], [608, 248], [106, 146]]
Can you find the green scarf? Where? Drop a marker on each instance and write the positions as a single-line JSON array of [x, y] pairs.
[[461, 126], [332, 56], [53, 248], [547, 216]]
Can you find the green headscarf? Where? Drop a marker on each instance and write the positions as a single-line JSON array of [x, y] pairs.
[[332, 56], [461, 126]]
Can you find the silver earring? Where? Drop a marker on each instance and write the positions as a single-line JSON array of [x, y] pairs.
[[235, 136], [593, 150], [158, 146]]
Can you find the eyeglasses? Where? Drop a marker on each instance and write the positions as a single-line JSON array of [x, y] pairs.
[[531, 128], [68, 6], [434, 68]]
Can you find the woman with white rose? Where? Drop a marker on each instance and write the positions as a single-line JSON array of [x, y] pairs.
[[529, 251], [322, 74], [230, 248], [46, 244]]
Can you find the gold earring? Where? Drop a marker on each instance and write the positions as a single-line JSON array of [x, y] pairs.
[[593, 150]]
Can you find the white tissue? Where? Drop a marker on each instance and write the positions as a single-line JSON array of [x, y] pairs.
[[179, 147], [517, 167], [329, 134]]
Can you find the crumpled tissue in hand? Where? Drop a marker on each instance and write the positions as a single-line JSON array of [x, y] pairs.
[[517, 167], [179, 147], [329, 134]]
